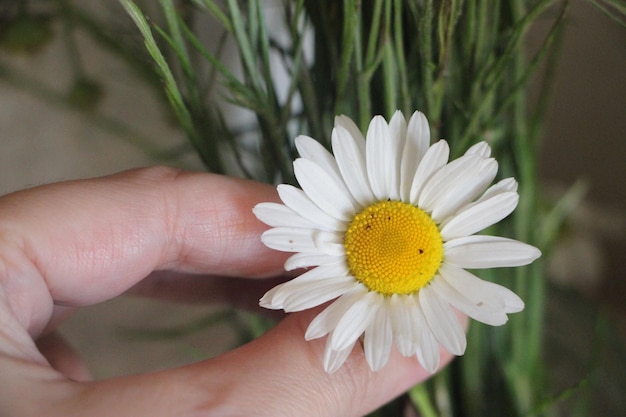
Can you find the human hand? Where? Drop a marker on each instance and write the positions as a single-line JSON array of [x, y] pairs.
[[171, 234]]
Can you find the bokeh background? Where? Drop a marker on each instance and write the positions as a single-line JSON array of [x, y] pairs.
[[44, 140]]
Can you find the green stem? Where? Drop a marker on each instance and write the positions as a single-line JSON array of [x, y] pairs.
[[351, 18], [421, 399], [427, 64], [528, 340], [404, 103]]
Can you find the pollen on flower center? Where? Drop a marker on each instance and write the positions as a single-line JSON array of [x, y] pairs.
[[393, 247]]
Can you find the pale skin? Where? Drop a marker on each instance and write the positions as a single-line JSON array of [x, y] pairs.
[[170, 234]]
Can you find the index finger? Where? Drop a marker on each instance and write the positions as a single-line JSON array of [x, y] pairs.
[[82, 242]]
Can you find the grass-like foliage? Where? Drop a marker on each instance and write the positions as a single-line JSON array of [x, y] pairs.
[[299, 63]]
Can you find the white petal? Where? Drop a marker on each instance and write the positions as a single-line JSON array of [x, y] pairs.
[[337, 269], [305, 260], [480, 251], [382, 159], [290, 239], [324, 191], [330, 243], [296, 200], [267, 301], [397, 134], [442, 321], [476, 217], [435, 158], [445, 189], [310, 149], [402, 324], [479, 291], [355, 320], [427, 350], [378, 338], [478, 311], [277, 215], [327, 320], [474, 288], [355, 132], [461, 192], [397, 124], [503, 186], [351, 162], [333, 359], [486, 175], [317, 293], [507, 185], [415, 146], [481, 149], [275, 298], [445, 178]]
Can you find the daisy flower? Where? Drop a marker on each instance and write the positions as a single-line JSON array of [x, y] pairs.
[[389, 226]]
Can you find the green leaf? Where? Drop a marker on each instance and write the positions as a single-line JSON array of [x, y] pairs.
[[614, 9]]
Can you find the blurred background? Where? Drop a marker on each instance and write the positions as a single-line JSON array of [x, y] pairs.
[[71, 109]]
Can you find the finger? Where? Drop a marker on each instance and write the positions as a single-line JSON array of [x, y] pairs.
[[82, 242], [277, 374], [289, 378], [62, 357], [237, 292]]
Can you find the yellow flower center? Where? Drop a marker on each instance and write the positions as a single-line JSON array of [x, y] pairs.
[[393, 247]]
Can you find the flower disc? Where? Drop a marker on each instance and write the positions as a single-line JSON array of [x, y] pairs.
[[393, 247]]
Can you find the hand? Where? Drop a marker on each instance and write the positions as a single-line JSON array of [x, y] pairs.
[[170, 234]]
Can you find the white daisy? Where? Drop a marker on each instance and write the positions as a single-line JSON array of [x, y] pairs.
[[388, 223]]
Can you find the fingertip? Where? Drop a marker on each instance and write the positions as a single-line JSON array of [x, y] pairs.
[[216, 230]]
